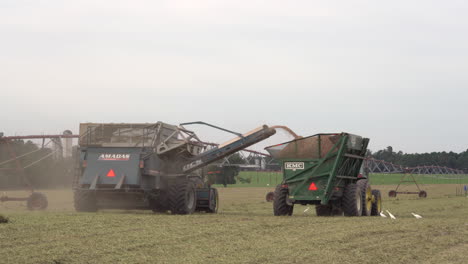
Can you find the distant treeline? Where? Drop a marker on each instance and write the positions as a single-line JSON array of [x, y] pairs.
[[47, 173], [448, 159]]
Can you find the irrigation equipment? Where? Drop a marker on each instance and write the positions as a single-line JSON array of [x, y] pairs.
[[36, 200]]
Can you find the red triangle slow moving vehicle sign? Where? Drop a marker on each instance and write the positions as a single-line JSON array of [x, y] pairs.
[[111, 173]]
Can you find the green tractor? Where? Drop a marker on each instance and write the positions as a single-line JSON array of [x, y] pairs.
[[324, 170]]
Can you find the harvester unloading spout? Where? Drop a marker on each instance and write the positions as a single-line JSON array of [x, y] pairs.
[[240, 142]]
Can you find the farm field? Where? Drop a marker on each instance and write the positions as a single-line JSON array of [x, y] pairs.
[[262, 179], [244, 231]]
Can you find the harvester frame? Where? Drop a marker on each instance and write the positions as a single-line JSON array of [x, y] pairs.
[[149, 166]]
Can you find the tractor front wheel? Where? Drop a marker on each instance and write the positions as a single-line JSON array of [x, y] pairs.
[[352, 200], [182, 197], [281, 203]]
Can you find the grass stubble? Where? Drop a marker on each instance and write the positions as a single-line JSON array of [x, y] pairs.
[[244, 231]]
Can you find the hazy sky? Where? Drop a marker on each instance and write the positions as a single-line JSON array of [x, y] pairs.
[[394, 71]]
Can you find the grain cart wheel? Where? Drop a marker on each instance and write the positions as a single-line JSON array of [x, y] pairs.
[[281, 204], [270, 197], [376, 203], [323, 210], [422, 194], [182, 197], [352, 200], [392, 193], [37, 201], [85, 201], [366, 197], [214, 201]]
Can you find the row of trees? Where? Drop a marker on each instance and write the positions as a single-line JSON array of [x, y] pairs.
[[448, 159]]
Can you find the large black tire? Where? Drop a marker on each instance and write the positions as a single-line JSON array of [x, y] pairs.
[[377, 203], [37, 201], [182, 197], [85, 201], [352, 200], [281, 203], [366, 198], [214, 201]]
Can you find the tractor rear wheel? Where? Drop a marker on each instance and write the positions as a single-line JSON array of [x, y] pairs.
[[376, 203], [281, 202], [214, 201], [366, 196], [352, 200], [182, 197], [85, 201], [37, 201]]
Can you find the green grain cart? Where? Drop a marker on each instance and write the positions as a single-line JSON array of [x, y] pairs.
[[324, 170]]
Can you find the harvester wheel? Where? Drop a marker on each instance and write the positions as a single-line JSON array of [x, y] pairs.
[[376, 203], [366, 197], [37, 201], [182, 197], [214, 201], [281, 203], [422, 194], [270, 197], [85, 201], [392, 193], [352, 200]]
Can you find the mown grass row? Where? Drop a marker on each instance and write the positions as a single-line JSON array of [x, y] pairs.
[[244, 231]]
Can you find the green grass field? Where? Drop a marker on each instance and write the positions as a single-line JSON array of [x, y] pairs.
[[244, 231], [262, 179]]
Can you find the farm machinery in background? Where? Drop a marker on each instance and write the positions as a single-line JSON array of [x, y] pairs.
[[36, 200], [408, 174], [323, 170], [150, 166]]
